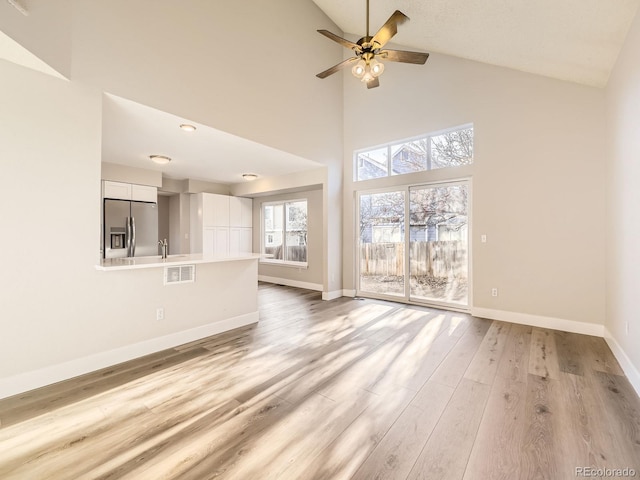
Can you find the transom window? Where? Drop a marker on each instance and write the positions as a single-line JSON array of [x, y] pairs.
[[284, 232], [447, 149]]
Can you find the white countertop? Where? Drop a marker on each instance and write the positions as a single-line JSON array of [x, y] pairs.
[[154, 262]]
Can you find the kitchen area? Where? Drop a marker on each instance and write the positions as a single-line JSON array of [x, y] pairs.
[[192, 249]]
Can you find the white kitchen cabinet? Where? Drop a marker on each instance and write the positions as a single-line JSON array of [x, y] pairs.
[[240, 212], [116, 190], [220, 224], [240, 240], [144, 193], [215, 241], [215, 209], [128, 191]]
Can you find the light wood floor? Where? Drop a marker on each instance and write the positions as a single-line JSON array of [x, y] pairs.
[[350, 388]]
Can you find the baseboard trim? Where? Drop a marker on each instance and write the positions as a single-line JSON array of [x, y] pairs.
[[290, 283], [331, 295], [24, 382], [540, 321], [348, 293], [629, 369]]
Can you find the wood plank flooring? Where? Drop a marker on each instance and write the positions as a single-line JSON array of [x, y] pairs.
[[360, 389]]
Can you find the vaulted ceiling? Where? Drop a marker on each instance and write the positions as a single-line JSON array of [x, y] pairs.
[[574, 40]]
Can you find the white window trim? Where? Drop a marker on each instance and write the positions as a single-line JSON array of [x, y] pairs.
[[388, 146], [282, 263]]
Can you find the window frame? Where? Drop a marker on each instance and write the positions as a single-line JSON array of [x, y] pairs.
[[283, 262], [427, 137]]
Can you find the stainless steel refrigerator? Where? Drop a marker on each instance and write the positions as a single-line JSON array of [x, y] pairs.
[[130, 229]]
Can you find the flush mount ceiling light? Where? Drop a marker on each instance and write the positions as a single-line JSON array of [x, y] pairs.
[[249, 176], [160, 159], [367, 68], [188, 127]]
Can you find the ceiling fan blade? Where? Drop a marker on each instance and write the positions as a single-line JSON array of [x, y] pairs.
[[373, 83], [337, 67], [340, 40], [404, 56], [389, 29]]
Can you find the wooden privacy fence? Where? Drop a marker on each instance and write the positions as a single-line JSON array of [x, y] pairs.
[[295, 253], [431, 259]]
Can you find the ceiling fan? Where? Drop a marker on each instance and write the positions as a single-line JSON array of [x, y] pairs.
[[368, 50]]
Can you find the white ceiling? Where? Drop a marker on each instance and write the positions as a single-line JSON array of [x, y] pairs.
[[14, 52], [574, 40], [131, 132]]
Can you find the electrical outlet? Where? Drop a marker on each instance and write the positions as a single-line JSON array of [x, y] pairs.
[[494, 292], [160, 313], [483, 238]]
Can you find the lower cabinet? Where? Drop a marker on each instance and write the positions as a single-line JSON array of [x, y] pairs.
[[215, 240], [225, 240], [240, 240]]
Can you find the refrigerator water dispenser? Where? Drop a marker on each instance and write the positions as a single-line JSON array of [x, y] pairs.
[[117, 238]]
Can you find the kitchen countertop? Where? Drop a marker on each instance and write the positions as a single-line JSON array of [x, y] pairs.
[[110, 264]]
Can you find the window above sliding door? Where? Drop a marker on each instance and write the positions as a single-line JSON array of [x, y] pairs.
[[445, 149]]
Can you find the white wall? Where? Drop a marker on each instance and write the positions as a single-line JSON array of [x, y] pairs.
[[175, 242], [538, 191], [126, 174], [60, 315], [210, 65], [164, 218], [56, 307], [623, 203], [227, 65]]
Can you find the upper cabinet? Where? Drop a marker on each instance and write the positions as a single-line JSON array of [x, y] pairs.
[[128, 191], [116, 190], [240, 212], [215, 209], [144, 193]]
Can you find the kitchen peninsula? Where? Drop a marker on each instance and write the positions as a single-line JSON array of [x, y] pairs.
[[132, 263], [147, 313]]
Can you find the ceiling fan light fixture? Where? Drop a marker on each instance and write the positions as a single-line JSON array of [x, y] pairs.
[[359, 69], [376, 67], [368, 75], [367, 68]]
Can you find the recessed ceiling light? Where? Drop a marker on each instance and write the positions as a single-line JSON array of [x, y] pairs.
[[187, 127], [160, 159], [249, 176]]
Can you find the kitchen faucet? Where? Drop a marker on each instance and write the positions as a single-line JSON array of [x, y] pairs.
[[165, 246]]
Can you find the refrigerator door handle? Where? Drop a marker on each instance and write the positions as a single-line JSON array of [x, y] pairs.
[[127, 229], [133, 236]]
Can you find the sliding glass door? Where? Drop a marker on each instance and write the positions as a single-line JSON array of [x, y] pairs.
[[381, 245], [422, 230], [439, 244]]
